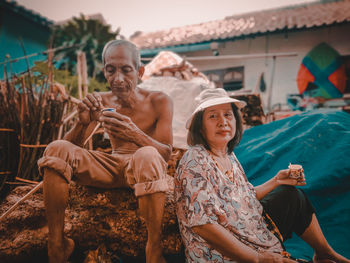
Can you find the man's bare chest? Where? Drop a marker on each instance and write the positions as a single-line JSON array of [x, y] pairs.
[[142, 114], [143, 117]]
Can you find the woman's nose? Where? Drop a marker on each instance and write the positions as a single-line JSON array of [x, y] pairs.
[[222, 121]]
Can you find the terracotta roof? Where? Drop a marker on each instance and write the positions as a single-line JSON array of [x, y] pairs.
[[288, 18], [30, 14]]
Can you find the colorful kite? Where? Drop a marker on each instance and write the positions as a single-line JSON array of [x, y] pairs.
[[322, 73]]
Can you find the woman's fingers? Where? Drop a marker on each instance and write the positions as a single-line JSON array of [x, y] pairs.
[[291, 181], [282, 174]]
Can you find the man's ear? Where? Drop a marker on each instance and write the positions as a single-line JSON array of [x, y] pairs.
[[141, 71]]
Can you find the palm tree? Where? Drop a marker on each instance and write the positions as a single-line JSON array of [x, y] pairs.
[[88, 35]]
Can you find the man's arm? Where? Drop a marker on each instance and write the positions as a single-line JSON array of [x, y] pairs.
[[123, 128], [162, 139], [88, 110]]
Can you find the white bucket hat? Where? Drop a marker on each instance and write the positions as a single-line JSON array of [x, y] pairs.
[[212, 97]]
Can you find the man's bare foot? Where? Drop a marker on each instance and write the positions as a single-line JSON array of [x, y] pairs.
[[154, 254], [58, 253], [330, 258]]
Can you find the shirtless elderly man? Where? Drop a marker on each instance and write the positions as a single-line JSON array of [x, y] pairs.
[[140, 132]]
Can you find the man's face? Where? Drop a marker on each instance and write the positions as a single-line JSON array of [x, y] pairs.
[[120, 71]]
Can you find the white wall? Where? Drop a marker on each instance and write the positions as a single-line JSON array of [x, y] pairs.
[[286, 68]]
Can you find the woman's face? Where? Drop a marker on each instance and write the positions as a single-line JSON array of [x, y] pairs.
[[219, 125]]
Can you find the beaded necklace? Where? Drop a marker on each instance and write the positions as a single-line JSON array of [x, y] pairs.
[[228, 173]]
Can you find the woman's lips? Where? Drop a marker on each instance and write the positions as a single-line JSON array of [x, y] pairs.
[[223, 132]]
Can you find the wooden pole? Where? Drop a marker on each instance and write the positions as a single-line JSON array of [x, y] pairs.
[[269, 94], [79, 75], [50, 57], [84, 73]]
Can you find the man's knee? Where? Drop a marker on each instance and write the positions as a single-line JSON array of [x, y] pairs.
[[147, 154], [148, 164], [59, 148], [57, 157], [149, 171]]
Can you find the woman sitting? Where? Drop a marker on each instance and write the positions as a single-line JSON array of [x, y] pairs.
[[222, 217]]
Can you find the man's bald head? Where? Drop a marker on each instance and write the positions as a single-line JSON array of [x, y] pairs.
[[120, 42]]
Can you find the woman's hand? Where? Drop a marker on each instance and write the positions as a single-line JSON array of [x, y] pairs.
[[282, 177], [269, 257]]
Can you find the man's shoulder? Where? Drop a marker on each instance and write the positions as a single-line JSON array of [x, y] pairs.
[[153, 94], [157, 98]]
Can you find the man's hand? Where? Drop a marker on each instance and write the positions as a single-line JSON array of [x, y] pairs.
[[89, 108], [282, 177], [119, 126], [269, 257]]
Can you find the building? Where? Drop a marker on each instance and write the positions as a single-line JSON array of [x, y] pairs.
[[260, 50], [20, 26]]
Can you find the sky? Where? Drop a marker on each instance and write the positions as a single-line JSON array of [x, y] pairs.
[[151, 15]]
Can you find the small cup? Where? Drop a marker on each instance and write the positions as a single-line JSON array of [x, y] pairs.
[[296, 171], [108, 109]]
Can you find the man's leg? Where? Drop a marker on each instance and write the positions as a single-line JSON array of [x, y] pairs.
[[148, 175], [151, 209], [55, 199], [61, 159]]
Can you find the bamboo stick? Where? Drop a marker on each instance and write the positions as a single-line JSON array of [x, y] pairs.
[[60, 131], [36, 188], [74, 100], [26, 181], [39, 185], [92, 133], [70, 116]]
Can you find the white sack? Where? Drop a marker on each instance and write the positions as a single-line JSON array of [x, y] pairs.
[[183, 94]]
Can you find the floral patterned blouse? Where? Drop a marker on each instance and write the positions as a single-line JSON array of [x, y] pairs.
[[204, 195]]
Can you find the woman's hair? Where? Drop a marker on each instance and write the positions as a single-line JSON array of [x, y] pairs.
[[195, 136]]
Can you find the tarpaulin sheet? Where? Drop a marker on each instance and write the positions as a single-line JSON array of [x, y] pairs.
[[320, 141]]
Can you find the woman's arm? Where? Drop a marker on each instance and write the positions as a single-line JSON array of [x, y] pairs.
[[265, 188], [282, 177], [223, 241]]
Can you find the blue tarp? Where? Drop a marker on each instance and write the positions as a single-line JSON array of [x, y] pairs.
[[320, 141]]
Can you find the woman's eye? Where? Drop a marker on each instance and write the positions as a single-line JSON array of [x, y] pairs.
[[212, 116]]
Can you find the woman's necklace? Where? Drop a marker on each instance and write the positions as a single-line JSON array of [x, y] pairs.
[[228, 172]]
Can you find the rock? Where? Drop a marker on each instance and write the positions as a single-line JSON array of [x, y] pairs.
[[100, 221]]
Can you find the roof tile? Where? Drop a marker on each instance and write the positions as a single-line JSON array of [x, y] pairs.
[[299, 16]]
